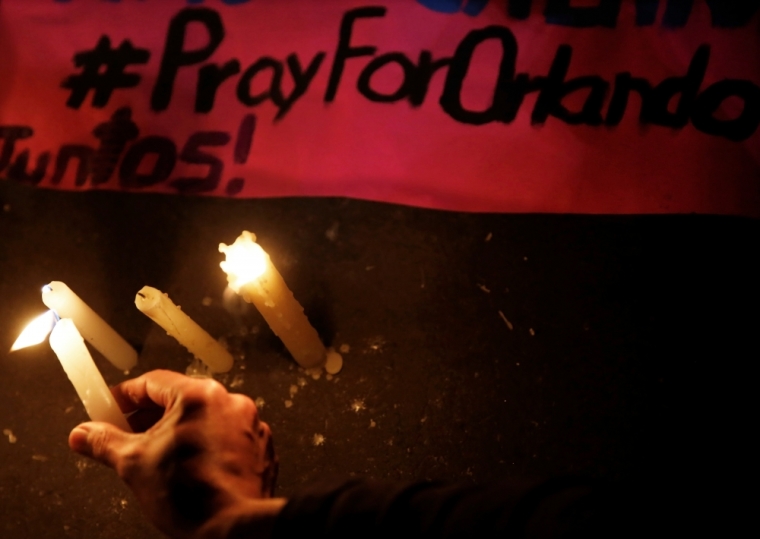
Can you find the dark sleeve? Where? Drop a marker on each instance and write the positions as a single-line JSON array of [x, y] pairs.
[[564, 508]]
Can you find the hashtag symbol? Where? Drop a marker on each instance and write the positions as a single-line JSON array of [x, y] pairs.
[[103, 71]]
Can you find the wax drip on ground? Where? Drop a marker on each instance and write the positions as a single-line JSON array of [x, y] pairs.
[[198, 369]]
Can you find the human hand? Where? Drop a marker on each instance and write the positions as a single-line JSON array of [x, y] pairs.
[[200, 460]]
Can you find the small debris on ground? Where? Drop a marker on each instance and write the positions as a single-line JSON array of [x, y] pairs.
[[198, 369], [11, 437], [301, 382], [509, 324], [532, 333], [376, 344], [332, 232], [293, 390], [288, 403], [40, 458], [207, 301], [344, 348], [489, 236], [372, 424], [237, 381], [259, 402], [358, 405], [318, 440], [484, 288]]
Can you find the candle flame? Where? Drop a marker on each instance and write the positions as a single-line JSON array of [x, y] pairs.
[[246, 260], [36, 331]]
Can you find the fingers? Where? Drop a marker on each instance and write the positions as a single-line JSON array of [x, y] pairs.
[[143, 419], [156, 388], [100, 441]]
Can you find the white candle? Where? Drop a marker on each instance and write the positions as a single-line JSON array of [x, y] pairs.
[[60, 298], [159, 308], [76, 360], [251, 274]]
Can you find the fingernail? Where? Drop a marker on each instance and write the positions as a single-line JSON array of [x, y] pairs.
[[78, 439]]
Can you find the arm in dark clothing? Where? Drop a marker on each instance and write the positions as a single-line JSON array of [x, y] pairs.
[[565, 508]]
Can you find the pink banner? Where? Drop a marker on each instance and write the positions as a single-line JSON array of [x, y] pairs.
[[603, 106]]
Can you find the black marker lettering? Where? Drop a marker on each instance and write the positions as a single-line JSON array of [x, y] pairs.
[[409, 75], [556, 88], [518, 89], [166, 153], [734, 14], [518, 9], [301, 80], [210, 77], [10, 134], [426, 68], [679, 90], [191, 153], [84, 154], [624, 85], [17, 171], [273, 92], [451, 99], [114, 135], [345, 50], [244, 138], [677, 12], [175, 56], [737, 129], [561, 12]]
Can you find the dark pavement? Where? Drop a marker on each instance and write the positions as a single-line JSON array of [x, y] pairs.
[[630, 355]]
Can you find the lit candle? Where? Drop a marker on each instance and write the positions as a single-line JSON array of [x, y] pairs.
[[69, 347], [158, 307], [60, 298], [251, 274], [36, 331]]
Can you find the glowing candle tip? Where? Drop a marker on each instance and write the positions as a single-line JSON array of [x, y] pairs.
[[246, 260], [36, 331]]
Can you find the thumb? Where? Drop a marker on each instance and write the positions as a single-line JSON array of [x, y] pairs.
[[100, 441]]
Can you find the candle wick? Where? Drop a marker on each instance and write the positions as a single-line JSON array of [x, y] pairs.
[[141, 295]]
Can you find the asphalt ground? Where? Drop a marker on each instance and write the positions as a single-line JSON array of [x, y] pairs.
[[477, 346]]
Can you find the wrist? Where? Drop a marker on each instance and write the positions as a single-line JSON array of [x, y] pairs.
[[248, 518]]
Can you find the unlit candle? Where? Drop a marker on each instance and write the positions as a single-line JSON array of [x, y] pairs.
[[159, 308]]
